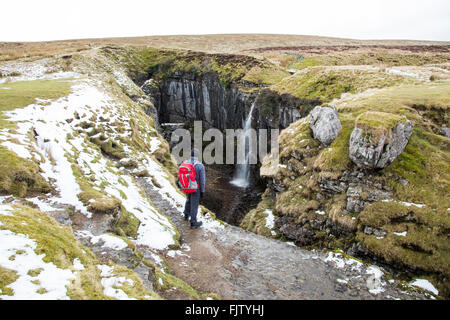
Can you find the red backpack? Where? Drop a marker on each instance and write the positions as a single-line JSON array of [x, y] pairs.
[[187, 177]]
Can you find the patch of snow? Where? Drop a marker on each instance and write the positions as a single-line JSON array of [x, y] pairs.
[[44, 69], [173, 253], [406, 204], [340, 262], [401, 234], [426, 285], [154, 144], [109, 241], [270, 219], [53, 279], [18, 149], [77, 265], [105, 270], [60, 152], [375, 283], [6, 210], [43, 205], [155, 229], [110, 283], [52, 130], [320, 212], [402, 73]]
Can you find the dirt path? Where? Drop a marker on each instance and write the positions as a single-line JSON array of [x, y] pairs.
[[237, 264]]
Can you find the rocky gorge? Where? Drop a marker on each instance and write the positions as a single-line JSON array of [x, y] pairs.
[[362, 171], [326, 214]]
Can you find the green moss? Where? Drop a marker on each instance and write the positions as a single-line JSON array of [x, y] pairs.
[[305, 63], [376, 119], [135, 289], [96, 201], [6, 278], [23, 93], [376, 124], [169, 163], [163, 63], [335, 158], [110, 148], [425, 164], [20, 176], [327, 84], [268, 74], [425, 246], [34, 272], [255, 220], [169, 281], [407, 100], [42, 291], [127, 224], [52, 239]]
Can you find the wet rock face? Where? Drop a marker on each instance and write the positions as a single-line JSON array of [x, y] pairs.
[[187, 97], [302, 235], [279, 111], [366, 155], [324, 124]]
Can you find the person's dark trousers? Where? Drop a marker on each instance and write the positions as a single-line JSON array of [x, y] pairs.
[[191, 206]]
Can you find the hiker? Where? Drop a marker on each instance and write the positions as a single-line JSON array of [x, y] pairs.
[[192, 179]]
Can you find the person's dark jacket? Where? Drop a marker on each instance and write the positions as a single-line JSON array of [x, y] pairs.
[[200, 173]]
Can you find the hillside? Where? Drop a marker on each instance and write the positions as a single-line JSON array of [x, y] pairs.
[[221, 43], [83, 156]]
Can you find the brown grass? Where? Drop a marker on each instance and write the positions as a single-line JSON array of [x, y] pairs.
[[219, 43]]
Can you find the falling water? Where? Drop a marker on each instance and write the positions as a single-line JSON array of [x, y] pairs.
[[242, 174]]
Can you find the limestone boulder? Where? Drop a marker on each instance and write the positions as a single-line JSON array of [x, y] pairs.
[[378, 139], [324, 124]]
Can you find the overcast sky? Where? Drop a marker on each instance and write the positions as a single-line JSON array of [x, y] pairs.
[[37, 20]]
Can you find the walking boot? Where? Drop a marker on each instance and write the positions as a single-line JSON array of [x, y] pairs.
[[196, 225]]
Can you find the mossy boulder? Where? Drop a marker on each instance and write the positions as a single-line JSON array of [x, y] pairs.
[[378, 139]]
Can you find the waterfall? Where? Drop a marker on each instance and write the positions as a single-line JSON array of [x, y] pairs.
[[242, 174]]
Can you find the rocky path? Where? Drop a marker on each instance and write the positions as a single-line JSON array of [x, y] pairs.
[[237, 264]]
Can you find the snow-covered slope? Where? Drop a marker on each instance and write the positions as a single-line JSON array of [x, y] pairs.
[[88, 145]]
